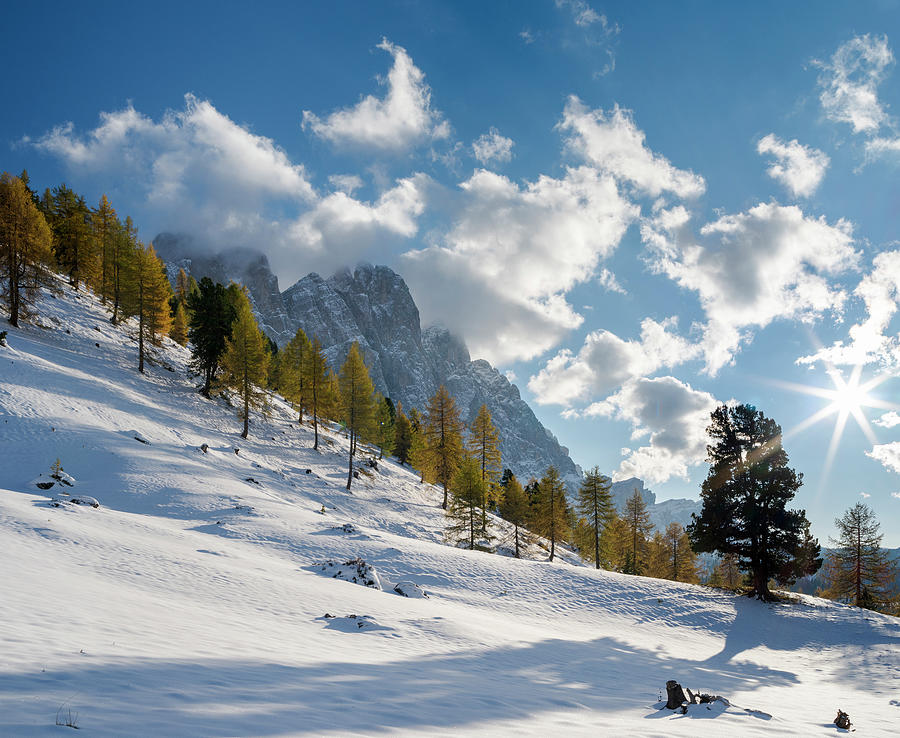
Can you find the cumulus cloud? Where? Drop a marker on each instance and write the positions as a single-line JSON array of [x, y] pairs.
[[870, 341], [606, 362], [499, 276], [347, 183], [613, 142], [671, 415], [607, 280], [849, 82], [798, 167], [889, 419], [888, 454], [196, 171], [751, 268], [400, 120], [491, 146]]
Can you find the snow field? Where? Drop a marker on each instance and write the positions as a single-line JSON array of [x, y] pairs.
[[190, 604]]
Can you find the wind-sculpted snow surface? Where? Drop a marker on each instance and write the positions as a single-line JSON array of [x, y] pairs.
[[189, 603]]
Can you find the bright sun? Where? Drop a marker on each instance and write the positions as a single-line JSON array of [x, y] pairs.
[[847, 397]]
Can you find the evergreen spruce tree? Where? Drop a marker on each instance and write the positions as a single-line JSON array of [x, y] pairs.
[[484, 446], [443, 446], [464, 513], [245, 361], [745, 496], [356, 401], [146, 296], [25, 248], [178, 331], [402, 437], [860, 570], [209, 324], [596, 505], [514, 509], [385, 432], [317, 386], [73, 242], [550, 517], [637, 522], [105, 227]]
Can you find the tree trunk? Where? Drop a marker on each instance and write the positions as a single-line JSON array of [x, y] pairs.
[[246, 407], [517, 541], [315, 430], [141, 342], [444, 503], [350, 466]]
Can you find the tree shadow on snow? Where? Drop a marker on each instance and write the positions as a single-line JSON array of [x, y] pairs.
[[220, 697]]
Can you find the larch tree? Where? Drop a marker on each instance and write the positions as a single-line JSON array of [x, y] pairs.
[[146, 297], [596, 505], [514, 509], [550, 515], [182, 286], [484, 447], [356, 401], [417, 451], [210, 315], [25, 248], [680, 557], [637, 522], [463, 513], [120, 254], [317, 386], [442, 435], [178, 331], [860, 570], [245, 361], [745, 497], [73, 241], [402, 436], [292, 371]]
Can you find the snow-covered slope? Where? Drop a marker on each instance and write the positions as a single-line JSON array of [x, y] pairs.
[[197, 599]]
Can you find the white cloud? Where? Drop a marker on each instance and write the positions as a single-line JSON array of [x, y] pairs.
[[491, 146], [527, 36], [582, 13], [865, 495], [607, 280], [400, 120], [510, 375], [751, 268], [890, 419], [615, 144], [198, 172], [347, 183], [888, 454], [849, 83], [672, 415], [606, 362], [895, 494], [499, 275], [870, 342], [798, 167], [197, 147]]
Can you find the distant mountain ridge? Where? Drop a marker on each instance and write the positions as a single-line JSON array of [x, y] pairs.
[[372, 306], [661, 513]]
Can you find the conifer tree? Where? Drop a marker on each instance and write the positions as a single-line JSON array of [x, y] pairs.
[[443, 446], [121, 253], [356, 401], [182, 286], [292, 371], [464, 513], [25, 243], [550, 516], [657, 561], [596, 505], [105, 227], [484, 446], [417, 451], [178, 331], [860, 570], [384, 424], [146, 297], [615, 544], [245, 361], [681, 559], [637, 521], [745, 496], [73, 243], [317, 385], [209, 324], [402, 437], [514, 509]]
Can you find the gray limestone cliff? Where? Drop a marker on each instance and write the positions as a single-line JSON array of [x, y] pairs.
[[661, 513], [372, 306]]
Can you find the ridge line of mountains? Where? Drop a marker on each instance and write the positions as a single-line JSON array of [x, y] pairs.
[[372, 306]]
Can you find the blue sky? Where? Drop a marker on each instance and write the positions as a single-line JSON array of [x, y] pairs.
[[638, 210]]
